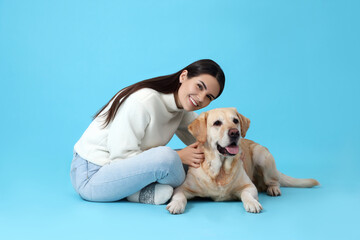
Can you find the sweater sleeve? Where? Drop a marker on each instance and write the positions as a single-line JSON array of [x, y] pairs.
[[127, 130], [183, 132]]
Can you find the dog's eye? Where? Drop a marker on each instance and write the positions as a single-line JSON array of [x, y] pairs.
[[217, 123], [236, 121]]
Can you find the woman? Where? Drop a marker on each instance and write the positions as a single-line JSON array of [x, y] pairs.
[[123, 154]]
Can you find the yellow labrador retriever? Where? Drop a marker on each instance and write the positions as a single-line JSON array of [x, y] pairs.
[[224, 175]]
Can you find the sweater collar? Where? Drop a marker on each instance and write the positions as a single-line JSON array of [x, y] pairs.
[[170, 103]]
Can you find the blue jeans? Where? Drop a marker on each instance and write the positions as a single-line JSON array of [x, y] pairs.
[[121, 178]]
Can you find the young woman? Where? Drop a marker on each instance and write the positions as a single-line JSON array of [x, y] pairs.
[[123, 154]]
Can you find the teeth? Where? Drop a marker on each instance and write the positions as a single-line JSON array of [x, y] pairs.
[[193, 101]]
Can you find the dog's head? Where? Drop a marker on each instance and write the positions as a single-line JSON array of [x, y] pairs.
[[221, 129]]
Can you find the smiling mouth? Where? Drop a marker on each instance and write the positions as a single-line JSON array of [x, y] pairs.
[[193, 102], [230, 150]]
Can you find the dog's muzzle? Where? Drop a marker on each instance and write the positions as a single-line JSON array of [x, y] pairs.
[[230, 150], [233, 148]]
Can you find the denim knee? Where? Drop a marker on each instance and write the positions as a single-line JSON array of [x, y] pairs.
[[80, 174], [167, 158], [169, 163]]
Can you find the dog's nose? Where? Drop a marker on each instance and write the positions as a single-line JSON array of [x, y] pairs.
[[233, 133]]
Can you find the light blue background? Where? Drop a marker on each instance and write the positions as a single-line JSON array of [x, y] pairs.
[[292, 67]]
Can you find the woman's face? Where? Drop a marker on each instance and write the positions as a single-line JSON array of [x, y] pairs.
[[197, 92]]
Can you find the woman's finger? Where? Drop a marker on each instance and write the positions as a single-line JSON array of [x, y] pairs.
[[195, 165], [199, 156], [198, 160], [197, 150]]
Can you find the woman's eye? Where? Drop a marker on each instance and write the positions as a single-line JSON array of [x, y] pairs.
[[200, 86], [236, 121], [217, 123], [209, 97]]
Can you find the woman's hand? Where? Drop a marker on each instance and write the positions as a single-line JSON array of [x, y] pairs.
[[192, 155]]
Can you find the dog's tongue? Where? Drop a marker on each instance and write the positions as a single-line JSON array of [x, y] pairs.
[[232, 149]]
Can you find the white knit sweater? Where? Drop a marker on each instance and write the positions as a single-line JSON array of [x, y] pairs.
[[145, 120]]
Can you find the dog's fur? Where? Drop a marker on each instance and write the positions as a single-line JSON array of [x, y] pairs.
[[223, 175]]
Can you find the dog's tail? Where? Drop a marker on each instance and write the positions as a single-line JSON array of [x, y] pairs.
[[287, 181]]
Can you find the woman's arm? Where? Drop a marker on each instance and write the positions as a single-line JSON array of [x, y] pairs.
[[182, 132], [127, 130], [193, 154]]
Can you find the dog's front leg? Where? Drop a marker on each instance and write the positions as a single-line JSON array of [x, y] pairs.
[[249, 196], [178, 202]]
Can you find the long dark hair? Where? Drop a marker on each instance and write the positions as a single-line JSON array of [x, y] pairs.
[[164, 84]]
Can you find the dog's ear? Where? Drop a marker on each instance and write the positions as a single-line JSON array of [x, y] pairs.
[[244, 124], [198, 128]]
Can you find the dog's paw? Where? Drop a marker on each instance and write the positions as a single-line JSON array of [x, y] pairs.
[[252, 206], [176, 207], [273, 191]]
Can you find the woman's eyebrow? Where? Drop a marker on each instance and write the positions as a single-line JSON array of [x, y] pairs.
[[206, 89]]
